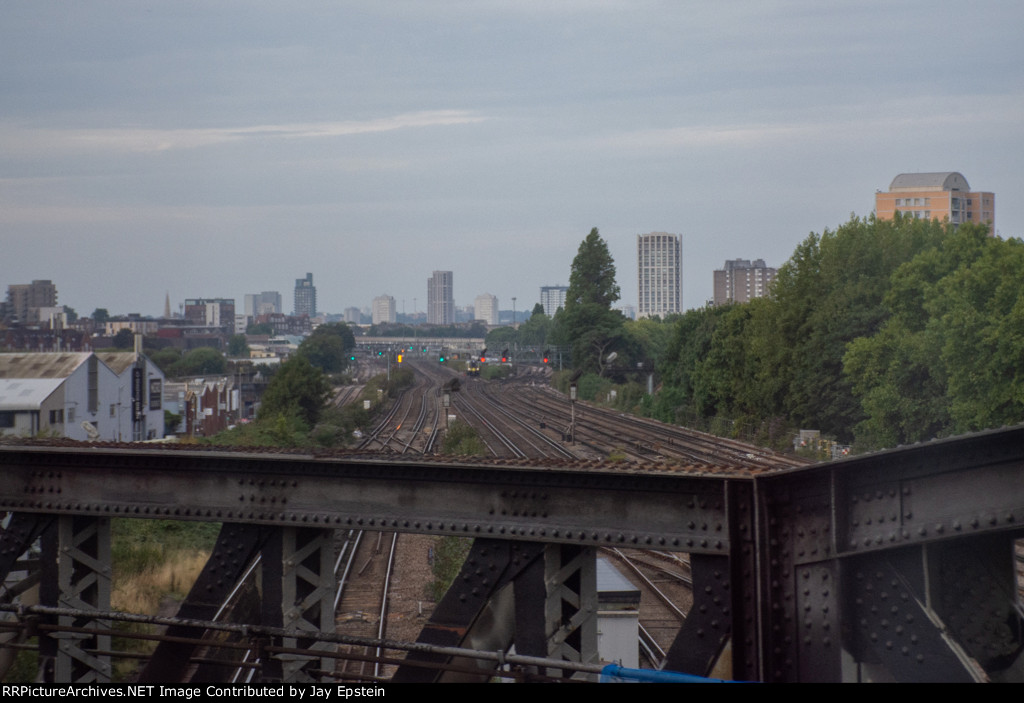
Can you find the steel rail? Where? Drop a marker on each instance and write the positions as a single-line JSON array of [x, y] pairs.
[[650, 584], [385, 588], [500, 409]]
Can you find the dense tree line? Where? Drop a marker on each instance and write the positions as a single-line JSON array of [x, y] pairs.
[[880, 332]]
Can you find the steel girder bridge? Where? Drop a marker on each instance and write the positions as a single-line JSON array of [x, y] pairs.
[[895, 566]]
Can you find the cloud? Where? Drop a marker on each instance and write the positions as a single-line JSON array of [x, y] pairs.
[[21, 141], [910, 116]]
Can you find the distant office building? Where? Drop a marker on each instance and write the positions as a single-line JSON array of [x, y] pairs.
[[305, 296], [211, 312], [936, 196], [485, 308], [353, 316], [440, 299], [740, 281], [660, 274], [384, 309], [552, 298], [628, 311], [25, 299], [264, 303], [281, 324]]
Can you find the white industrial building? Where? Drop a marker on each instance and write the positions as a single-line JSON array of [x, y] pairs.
[[78, 396]]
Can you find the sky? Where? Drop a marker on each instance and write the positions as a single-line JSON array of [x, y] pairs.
[[214, 149]]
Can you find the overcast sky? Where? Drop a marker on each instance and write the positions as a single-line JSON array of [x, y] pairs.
[[214, 149]]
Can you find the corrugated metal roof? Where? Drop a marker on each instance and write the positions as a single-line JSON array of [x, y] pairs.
[[117, 361], [26, 393], [41, 364]]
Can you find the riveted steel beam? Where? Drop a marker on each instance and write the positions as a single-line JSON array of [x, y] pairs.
[[299, 585], [21, 531], [892, 632], [76, 574], [780, 551], [681, 510], [708, 626], [570, 606], [541, 598]]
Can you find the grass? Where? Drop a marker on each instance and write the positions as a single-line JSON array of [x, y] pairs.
[[449, 554], [154, 562], [462, 439]]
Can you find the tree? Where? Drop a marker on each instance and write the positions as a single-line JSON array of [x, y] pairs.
[[124, 339], [538, 309], [592, 277], [324, 351], [327, 348], [260, 328], [587, 324], [534, 332], [500, 337], [100, 316], [297, 390], [201, 361], [165, 359], [238, 346], [339, 330]]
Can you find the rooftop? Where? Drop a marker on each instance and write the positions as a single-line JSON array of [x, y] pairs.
[[41, 364], [26, 393], [948, 180]]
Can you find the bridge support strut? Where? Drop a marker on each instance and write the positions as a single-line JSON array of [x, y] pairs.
[[76, 575], [540, 598]]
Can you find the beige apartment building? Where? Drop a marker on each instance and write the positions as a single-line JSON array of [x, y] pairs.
[[936, 196]]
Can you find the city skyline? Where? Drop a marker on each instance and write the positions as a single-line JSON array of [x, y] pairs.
[[217, 150]]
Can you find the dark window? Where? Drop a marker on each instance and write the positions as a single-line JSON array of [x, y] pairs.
[[6, 419]]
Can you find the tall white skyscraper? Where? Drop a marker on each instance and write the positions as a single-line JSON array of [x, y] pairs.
[[383, 309], [552, 298], [660, 274], [440, 299], [486, 308]]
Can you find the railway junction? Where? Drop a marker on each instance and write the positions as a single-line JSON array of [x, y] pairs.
[[895, 566]]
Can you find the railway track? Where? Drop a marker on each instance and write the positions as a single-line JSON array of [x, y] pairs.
[[362, 604], [411, 423], [648, 439], [666, 597]]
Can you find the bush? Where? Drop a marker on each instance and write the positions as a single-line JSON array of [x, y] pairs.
[[463, 440], [495, 373]]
